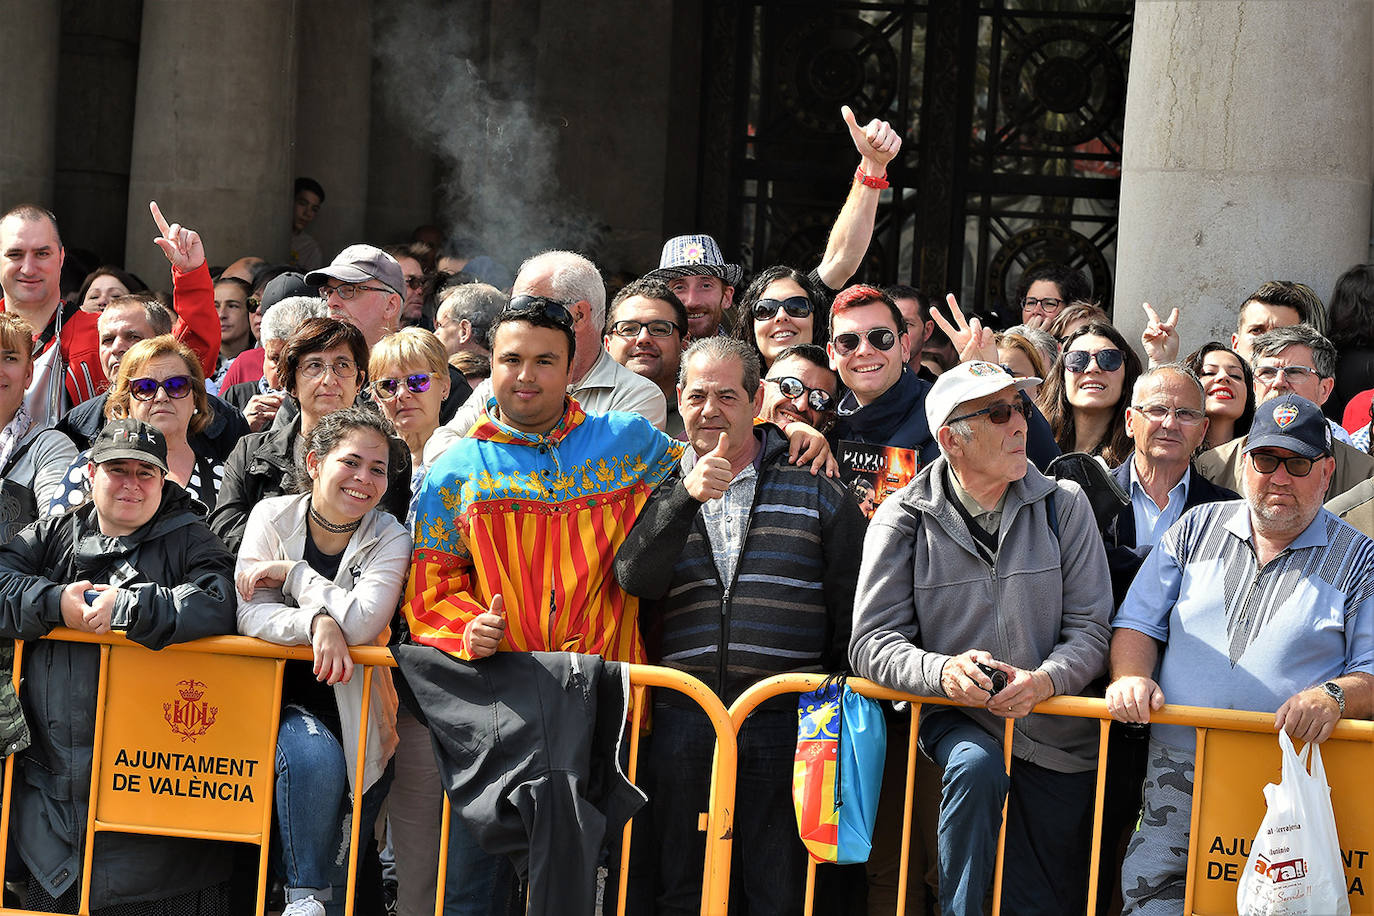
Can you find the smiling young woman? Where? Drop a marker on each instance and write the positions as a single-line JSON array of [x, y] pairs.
[[782, 308], [1087, 391], [325, 568]]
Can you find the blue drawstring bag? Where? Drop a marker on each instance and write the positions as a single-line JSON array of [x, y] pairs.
[[838, 771]]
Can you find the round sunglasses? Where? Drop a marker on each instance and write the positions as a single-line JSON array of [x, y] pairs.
[[145, 389], [879, 338], [1108, 360], [388, 388], [816, 398], [796, 306]]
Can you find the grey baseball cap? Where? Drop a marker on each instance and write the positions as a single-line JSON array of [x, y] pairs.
[[360, 263]]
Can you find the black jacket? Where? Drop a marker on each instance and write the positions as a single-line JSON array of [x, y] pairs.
[[1124, 558], [261, 465], [527, 745], [226, 427], [176, 582]]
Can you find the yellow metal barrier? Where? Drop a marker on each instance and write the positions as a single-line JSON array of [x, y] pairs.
[[149, 704], [1237, 755]]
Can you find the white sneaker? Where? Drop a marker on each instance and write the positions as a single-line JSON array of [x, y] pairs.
[[306, 906]]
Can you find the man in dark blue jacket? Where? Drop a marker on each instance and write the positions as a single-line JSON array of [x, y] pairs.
[[885, 401], [747, 565], [1167, 422]]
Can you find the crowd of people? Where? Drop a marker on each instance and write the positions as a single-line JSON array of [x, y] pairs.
[[409, 446]]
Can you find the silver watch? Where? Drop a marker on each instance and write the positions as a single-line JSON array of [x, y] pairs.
[[1334, 691]]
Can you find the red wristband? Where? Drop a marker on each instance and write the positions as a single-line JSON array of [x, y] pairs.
[[878, 182]]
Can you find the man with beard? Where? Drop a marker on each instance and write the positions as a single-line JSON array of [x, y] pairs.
[[1266, 604]]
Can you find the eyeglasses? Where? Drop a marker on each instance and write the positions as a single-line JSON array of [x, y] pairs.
[[415, 383], [254, 304], [816, 398], [1267, 463], [1158, 413], [347, 291], [1270, 374], [1108, 360], [659, 327], [998, 413], [145, 389], [796, 306], [879, 338], [551, 309], [415, 282], [1049, 305], [316, 368]]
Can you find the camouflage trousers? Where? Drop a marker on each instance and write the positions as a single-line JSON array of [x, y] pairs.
[[1155, 870]]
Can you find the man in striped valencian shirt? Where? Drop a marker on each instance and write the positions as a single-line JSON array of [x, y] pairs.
[[745, 564]]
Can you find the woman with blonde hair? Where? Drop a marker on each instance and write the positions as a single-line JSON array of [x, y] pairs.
[[159, 382]]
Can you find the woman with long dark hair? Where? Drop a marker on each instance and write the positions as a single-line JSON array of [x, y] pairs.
[[1087, 391], [782, 308], [1229, 388]]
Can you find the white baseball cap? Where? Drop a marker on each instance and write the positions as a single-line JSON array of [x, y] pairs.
[[967, 382]]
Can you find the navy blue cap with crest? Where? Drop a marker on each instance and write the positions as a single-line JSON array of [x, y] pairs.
[[1290, 422]]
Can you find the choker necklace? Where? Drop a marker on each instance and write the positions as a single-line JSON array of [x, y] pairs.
[[330, 526]]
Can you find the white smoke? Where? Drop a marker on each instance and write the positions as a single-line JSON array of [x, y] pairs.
[[500, 154]]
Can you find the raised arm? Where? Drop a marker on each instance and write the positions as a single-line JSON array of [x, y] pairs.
[[197, 321], [877, 144]]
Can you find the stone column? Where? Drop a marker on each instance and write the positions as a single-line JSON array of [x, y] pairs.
[[213, 128], [334, 115], [1247, 155], [28, 116]]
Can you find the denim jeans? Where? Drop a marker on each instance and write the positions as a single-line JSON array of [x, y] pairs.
[[314, 809], [768, 869], [1049, 823]]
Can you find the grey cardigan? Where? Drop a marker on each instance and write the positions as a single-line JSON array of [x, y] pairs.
[[925, 594]]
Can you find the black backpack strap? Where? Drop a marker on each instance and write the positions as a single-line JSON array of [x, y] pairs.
[[1053, 512]]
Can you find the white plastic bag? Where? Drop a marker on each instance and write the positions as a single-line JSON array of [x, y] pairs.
[[1295, 868]]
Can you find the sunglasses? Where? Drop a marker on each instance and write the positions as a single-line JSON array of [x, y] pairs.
[[1296, 466], [816, 398], [415, 282], [415, 383], [551, 309], [796, 306], [1108, 360], [254, 304], [998, 413], [145, 389], [878, 338]]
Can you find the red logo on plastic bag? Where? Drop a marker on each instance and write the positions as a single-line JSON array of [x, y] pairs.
[[1278, 872]]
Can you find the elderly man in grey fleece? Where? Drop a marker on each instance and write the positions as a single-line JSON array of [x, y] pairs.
[[987, 583]]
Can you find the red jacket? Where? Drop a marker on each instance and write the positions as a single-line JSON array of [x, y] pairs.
[[196, 325]]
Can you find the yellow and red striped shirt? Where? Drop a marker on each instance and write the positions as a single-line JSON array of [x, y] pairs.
[[536, 519]]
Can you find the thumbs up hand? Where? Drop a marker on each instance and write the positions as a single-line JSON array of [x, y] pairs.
[[710, 477], [485, 631]]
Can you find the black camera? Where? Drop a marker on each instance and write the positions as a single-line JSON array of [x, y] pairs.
[[999, 678]]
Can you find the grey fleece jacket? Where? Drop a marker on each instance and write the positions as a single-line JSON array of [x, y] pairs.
[[925, 594]]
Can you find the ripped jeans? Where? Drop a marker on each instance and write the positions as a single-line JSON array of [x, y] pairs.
[[314, 809]]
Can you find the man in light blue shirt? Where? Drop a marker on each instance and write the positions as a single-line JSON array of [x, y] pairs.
[[1266, 604]]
